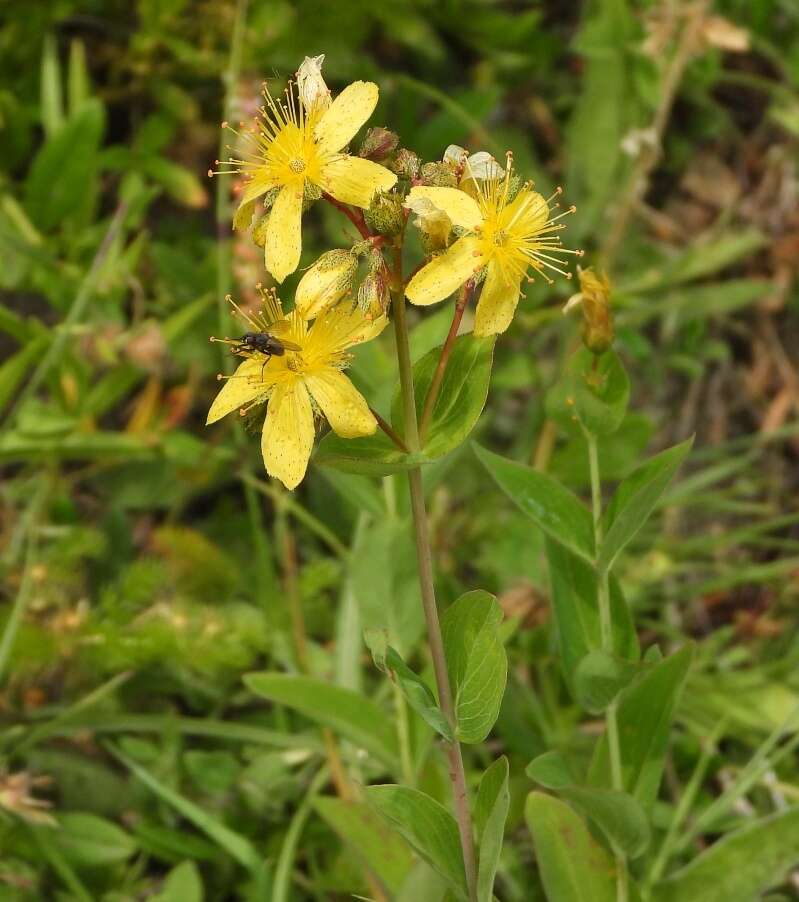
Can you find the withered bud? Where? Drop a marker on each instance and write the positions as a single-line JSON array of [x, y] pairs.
[[440, 175], [385, 215], [405, 164], [378, 144], [594, 300]]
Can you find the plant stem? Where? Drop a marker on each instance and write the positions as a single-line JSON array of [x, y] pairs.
[[389, 431], [606, 635], [441, 368], [354, 216], [425, 563]]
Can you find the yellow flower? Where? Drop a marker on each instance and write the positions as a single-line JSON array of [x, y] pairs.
[[506, 234], [298, 151], [594, 298], [300, 382], [325, 283]]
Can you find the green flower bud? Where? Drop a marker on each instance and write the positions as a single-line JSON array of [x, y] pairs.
[[325, 283], [440, 175], [385, 215], [373, 292]]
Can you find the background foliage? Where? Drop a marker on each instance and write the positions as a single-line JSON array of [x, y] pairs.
[[147, 563]]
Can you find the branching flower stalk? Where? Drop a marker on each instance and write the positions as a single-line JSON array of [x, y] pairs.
[[479, 224], [425, 564]]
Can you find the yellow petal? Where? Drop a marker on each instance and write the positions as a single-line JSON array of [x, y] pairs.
[[283, 233], [526, 214], [348, 112], [461, 209], [352, 180], [342, 403], [446, 273], [497, 304], [287, 439], [259, 184], [239, 389]]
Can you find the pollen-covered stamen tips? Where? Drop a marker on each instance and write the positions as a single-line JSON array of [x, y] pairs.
[[303, 382], [507, 230], [518, 231], [295, 151]]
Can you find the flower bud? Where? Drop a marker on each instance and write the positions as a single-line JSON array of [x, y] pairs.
[[405, 164], [378, 145], [385, 215], [440, 175], [325, 283], [314, 93], [373, 292], [432, 222], [594, 299]]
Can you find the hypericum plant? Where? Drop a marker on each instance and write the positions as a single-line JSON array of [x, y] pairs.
[[484, 232]]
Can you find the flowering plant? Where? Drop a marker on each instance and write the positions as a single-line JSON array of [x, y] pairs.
[[485, 233]]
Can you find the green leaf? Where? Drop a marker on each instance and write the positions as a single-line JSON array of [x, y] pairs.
[[644, 717], [183, 884], [476, 661], [91, 841], [237, 846], [14, 368], [461, 397], [553, 508], [573, 866], [372, 455], [347, 712], [600, 677], [428, 827], [592, 390], [739, 867], [490, 814], [418, 694], [78, 83], [551, 770], [63, 170], [635, 499], [51, 91], [617, 814], [368, 836], [576, 611]]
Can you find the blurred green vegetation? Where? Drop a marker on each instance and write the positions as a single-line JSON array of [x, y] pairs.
[[148, 561]]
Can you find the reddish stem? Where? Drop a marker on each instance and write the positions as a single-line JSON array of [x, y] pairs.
[[389, 431], [354, 216], [443, 360]]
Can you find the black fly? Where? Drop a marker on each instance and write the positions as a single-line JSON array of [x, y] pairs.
[[264, 343]]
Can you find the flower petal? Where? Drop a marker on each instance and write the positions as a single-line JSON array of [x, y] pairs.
[[342, 404], [258, 185], [526, 214], [497, 304], [283, 233], [446, 273], [287, 439], [352, 180], [461, 209], [239, 389], [348, 112]]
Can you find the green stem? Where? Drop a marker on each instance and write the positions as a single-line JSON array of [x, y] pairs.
[[606, 635], [425, 563]]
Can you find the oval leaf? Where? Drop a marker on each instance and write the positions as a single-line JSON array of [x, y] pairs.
[[347, 712], [427, 826], [593, 390], [550, 505], [573, 866], [461, 397], [476, 661], [635, 499], [490, 814]]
